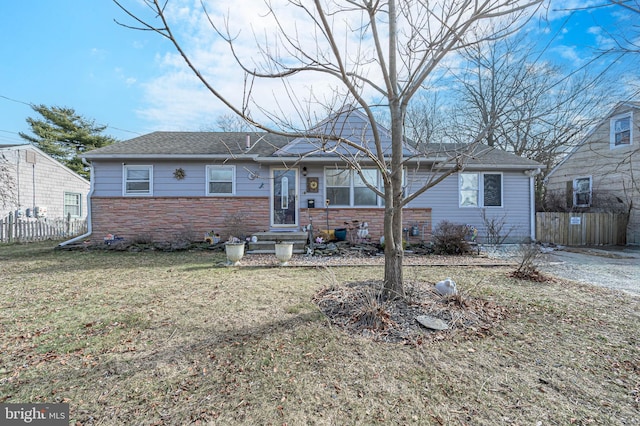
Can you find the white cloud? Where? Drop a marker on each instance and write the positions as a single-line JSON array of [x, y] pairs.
[[177, 100]]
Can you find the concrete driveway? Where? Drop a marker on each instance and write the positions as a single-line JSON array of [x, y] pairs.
[[613, 267]]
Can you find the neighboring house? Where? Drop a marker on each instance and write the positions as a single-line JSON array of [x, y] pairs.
[[41, 186], [168, 184], [602, 173]]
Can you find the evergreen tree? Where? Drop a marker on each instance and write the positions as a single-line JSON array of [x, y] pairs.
[[63, 134]]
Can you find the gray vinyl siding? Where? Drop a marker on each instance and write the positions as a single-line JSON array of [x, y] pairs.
[[443, 199], [42, 183], [109, 175]]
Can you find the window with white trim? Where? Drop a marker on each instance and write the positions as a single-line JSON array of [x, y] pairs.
[[72, 204], [621, 130], [582, 192], [480, 189], [221, 180], [345, 187], [138, 180]]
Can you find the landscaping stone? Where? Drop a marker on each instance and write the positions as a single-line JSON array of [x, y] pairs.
[[432, 322], [447, 287]]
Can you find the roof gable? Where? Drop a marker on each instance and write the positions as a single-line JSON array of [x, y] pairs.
[[350, 124], [44, 156], [619, 108]]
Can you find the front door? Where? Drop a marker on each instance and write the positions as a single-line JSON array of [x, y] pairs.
[[284, 196]]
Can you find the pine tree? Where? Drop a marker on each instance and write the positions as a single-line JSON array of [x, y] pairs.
[[63, 134]]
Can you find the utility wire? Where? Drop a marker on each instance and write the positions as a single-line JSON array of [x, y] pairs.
[[30, 104]]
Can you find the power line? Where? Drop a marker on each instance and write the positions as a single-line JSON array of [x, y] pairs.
[[30, 104], [15, 100]]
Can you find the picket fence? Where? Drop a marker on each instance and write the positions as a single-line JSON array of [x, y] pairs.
[[30, 230], [581, 229]]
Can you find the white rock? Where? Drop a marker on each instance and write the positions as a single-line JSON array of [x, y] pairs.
[[447, 287]]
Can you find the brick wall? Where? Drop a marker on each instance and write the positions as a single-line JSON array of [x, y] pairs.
[[165, 219], [373, 216]]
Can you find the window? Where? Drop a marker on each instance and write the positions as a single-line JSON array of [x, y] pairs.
[[338, 184], [346, 187], [221, 180], [480, 189], [621, 130], [363, 195], [582, 192], [138, 180], [72, 204]]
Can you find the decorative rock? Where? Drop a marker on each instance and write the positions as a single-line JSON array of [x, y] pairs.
[[432, 322], [446, 287]]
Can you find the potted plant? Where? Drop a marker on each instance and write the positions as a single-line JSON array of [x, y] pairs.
[[234, 248], [284, 251]]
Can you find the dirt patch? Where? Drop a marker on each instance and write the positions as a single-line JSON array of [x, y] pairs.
[[357, 309]]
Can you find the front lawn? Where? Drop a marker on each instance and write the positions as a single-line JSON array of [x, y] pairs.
[[169, 338]]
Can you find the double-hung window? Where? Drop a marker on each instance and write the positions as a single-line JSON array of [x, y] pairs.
[[480, 189], [582, 192], [138, 180], [221, 180], [621, 133], [72, 204], [345, 187]]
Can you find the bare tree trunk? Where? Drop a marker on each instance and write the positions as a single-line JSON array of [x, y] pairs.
[[393, 250], [393, 254]]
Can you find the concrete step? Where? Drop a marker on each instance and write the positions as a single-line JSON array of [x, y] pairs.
[[273, 252], [266, 243], [270, 246]]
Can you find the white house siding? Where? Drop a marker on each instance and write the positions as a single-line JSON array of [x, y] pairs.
[[42, 182], [443, 199], [614, 172]]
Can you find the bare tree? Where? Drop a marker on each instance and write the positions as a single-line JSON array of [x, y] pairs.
[[539, 111], [232, 123], [8, 186], [368, 50]]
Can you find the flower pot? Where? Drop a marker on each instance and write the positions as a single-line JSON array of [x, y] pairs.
[[284, 251], [341, 234], [235, 252]]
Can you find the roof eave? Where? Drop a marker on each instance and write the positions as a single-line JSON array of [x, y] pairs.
[[168, 156]]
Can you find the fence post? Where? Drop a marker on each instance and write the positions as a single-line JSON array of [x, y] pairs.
[[10, 229]]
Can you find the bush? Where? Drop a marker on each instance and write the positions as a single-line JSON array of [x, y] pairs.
[[449, 238]]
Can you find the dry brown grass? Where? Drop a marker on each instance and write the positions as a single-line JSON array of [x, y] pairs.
[[166, 338]]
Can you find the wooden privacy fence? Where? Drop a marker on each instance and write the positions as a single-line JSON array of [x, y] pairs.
[[581, 229], [29, 230]]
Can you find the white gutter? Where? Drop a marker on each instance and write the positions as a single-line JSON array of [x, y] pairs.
[[107, 157], [89, 195]]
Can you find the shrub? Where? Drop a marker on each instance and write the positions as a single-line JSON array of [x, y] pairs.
[[528, 256], [449, 238]]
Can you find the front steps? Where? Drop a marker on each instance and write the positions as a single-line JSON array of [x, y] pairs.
[[266, 243]]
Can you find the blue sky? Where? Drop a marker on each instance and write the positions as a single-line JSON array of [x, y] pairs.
[[71, 53]]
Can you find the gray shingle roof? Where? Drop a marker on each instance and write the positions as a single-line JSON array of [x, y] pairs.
[[178, 144], [264, 145]]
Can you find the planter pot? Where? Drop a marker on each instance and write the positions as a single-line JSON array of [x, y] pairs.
[[284, 251], [235, 252], [341, 234]]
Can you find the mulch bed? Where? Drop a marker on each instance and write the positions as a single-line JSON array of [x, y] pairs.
[[356, 309]]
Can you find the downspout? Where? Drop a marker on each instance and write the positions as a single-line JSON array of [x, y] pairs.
[[89, 195], [532, 200]]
